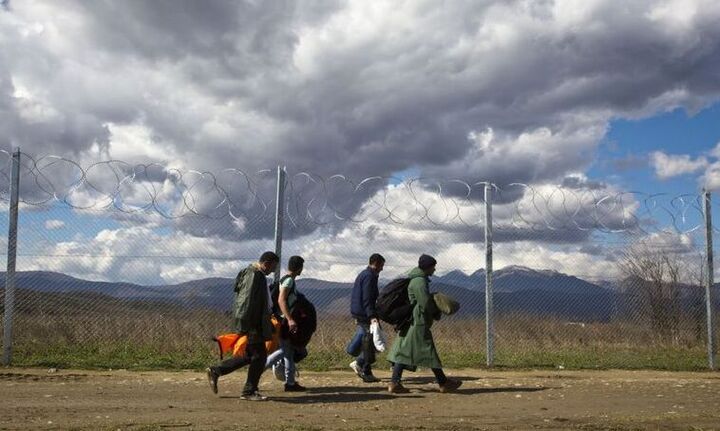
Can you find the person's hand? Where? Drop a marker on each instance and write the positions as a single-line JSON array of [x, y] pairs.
[[374, 320], [292, 326]]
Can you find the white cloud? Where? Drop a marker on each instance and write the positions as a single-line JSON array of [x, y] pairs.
[[668, 166], [54, 224], [568, 260], [711, 178], [142, 255]]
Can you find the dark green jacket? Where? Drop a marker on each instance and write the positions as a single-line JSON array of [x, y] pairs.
[[251, 309], [415, 346]]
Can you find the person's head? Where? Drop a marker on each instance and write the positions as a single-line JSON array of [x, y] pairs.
[[376, 262], [427, 264], [295, 265], [268, 262]]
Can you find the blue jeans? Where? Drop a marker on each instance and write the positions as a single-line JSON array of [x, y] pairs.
[[354, 347], [367, 349], [290, 355]]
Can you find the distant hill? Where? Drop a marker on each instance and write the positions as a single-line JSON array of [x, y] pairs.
[[516, 290], [518, 278]]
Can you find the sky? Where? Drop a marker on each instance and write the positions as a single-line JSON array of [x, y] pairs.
[[390, 116]]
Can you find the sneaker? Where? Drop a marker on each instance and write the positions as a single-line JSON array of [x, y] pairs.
[[212, 378], [397, 388], [278, 370], [369, 378], [253, 396], [356, 368], [450, 385], [296, 387]]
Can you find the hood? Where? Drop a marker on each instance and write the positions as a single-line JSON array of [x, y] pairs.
[[416, 272]]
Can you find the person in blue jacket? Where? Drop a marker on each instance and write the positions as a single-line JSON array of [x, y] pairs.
[[362, 308]]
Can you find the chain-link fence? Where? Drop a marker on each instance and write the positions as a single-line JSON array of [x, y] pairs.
[[131, 265]]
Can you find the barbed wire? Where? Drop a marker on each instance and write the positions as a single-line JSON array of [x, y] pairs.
[[314, 200]]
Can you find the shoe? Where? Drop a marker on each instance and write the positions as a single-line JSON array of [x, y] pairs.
[[278, 370], [356, 368], [253, 396], [212, 378], [297, 387], [369, 378], [450, 385], [397, 388]]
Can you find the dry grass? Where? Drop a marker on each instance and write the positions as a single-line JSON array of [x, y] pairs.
[[180, 339]]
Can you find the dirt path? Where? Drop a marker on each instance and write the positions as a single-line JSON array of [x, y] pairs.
[[587, 400]]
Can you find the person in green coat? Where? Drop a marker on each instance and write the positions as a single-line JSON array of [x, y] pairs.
[[251, 312], [414, 346]]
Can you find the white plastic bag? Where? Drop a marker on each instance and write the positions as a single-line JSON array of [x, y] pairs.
[[378, 336]]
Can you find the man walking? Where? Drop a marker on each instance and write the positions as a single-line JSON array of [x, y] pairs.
[[362, 308], [251, 311], [286, 301], [414, 346]]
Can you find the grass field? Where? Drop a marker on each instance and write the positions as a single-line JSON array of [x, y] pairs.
[[142, 340]]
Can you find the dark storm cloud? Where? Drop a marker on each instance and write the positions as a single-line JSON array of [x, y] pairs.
[[502, 91]]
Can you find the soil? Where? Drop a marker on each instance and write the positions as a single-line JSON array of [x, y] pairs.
[[534, 399]]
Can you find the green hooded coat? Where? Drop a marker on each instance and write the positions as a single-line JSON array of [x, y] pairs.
[[251, 309], [415, 346]]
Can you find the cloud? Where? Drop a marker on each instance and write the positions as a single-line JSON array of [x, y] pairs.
[[255, 84], [54, 224], [668, 166], [143, 255], [711, 178], [508, 91]]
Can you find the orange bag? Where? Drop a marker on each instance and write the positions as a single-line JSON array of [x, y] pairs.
[[237, 343]]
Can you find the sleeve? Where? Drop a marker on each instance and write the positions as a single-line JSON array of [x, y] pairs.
[[238, 280], [258, 301], [287, 283]]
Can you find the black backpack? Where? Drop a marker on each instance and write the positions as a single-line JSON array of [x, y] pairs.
[[304, 314], [275, 294], [393, 304]]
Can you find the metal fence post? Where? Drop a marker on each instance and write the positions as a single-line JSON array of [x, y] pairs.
[[709, 282], [489, 332], [11, 259], [279, 213]]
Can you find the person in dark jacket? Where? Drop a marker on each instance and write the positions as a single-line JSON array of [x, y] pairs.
[[251, 310], [362, 308]]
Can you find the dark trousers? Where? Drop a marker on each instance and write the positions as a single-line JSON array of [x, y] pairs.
[[255, 356], [367, 350], [398, 371]]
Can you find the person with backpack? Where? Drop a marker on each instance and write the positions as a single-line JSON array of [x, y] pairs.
[[251, 312], [414, 345], [287, 296], [362, 308]]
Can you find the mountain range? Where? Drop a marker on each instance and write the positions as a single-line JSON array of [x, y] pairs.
[[516, 289]]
